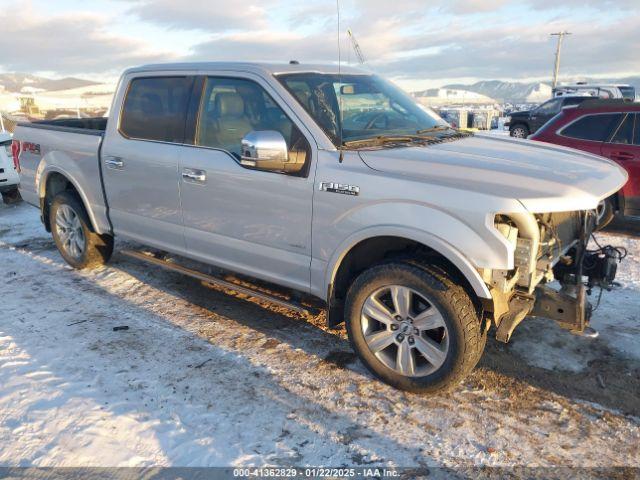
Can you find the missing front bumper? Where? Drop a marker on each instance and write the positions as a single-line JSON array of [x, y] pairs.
[[569, 312]]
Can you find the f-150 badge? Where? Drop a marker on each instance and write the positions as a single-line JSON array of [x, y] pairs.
[[342, 188]]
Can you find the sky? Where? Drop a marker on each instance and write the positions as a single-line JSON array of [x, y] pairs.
[[417, 43]]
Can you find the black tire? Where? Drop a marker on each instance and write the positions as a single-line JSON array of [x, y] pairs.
[[97, 248], [466, 339], [519, 130], [439, 270], [11, 197], [605, 212]]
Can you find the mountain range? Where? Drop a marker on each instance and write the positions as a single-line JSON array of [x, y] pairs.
[[533, 92], [511, 92], [15, 82]]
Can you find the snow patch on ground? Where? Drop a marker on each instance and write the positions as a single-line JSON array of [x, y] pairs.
[[204, 378], [555, 349], [618, 317], [617, 320]]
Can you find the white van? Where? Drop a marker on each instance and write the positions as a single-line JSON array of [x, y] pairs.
[[596, 90], [9, 178]]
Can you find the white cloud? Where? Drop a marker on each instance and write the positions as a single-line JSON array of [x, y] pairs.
[[66, 44], [204, 14], [523, 52], [407, 39]]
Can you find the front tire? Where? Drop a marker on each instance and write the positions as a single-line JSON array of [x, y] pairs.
[[519, 131], [413, 327], [78, 244]]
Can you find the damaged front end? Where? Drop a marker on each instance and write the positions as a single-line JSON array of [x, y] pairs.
[[548, 247]]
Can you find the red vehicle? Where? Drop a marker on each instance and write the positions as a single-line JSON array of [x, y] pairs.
[[610, 128]]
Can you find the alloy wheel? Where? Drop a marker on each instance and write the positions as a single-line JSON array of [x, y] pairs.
[[405, 330], [519, 132], [70, 233]]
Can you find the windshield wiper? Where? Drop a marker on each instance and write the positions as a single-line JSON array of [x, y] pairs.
[[437, 128], [384, 139]]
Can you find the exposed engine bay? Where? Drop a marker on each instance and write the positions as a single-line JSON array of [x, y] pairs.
[[548, 247]]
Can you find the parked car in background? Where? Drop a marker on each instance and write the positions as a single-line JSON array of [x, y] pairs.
[[524, 123], [416, 235], [610, 128], [9, 178], [613, 91]]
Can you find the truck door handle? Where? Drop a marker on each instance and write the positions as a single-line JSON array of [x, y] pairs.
[[114, 162], [192, 175]]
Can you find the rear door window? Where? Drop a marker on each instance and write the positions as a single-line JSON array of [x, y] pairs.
[[595, 127], [550, 108], [572, 101], [155, 108], [624, 133]]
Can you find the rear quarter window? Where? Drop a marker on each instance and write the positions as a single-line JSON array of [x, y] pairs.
[[155, 108], [594, 127], [624, 133]]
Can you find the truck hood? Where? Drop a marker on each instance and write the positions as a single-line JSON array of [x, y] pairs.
[[543, 177]]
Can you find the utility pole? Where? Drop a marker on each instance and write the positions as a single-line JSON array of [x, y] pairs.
[[556, 68]]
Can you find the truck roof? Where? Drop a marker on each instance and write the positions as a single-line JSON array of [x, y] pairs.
[[255, 67]]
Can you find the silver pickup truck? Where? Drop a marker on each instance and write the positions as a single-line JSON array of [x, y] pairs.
[[331, 189]]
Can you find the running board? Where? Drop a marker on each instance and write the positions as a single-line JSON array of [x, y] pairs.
[[149, 258]]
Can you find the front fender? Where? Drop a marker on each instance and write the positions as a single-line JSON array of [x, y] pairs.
[[439, 245], [466, 238]]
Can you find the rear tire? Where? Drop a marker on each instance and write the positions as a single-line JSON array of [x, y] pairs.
[[519, 131], [11, 197], [605, 213], [414, 328], [73, 234]]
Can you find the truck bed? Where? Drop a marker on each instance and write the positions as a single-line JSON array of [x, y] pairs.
[[89, 126], [69, 147]]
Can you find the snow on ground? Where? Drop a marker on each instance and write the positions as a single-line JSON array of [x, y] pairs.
[[617, 321], [495, 131], [203, 377]]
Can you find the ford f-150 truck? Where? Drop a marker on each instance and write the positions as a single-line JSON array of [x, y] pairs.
[[330, 188]]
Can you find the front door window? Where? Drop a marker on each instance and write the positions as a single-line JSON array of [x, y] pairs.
[[233, 107]]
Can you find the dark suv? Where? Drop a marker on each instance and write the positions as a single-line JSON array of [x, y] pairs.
[[522, 124]]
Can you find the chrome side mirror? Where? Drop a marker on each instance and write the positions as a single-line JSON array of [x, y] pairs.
[[264, 150]]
